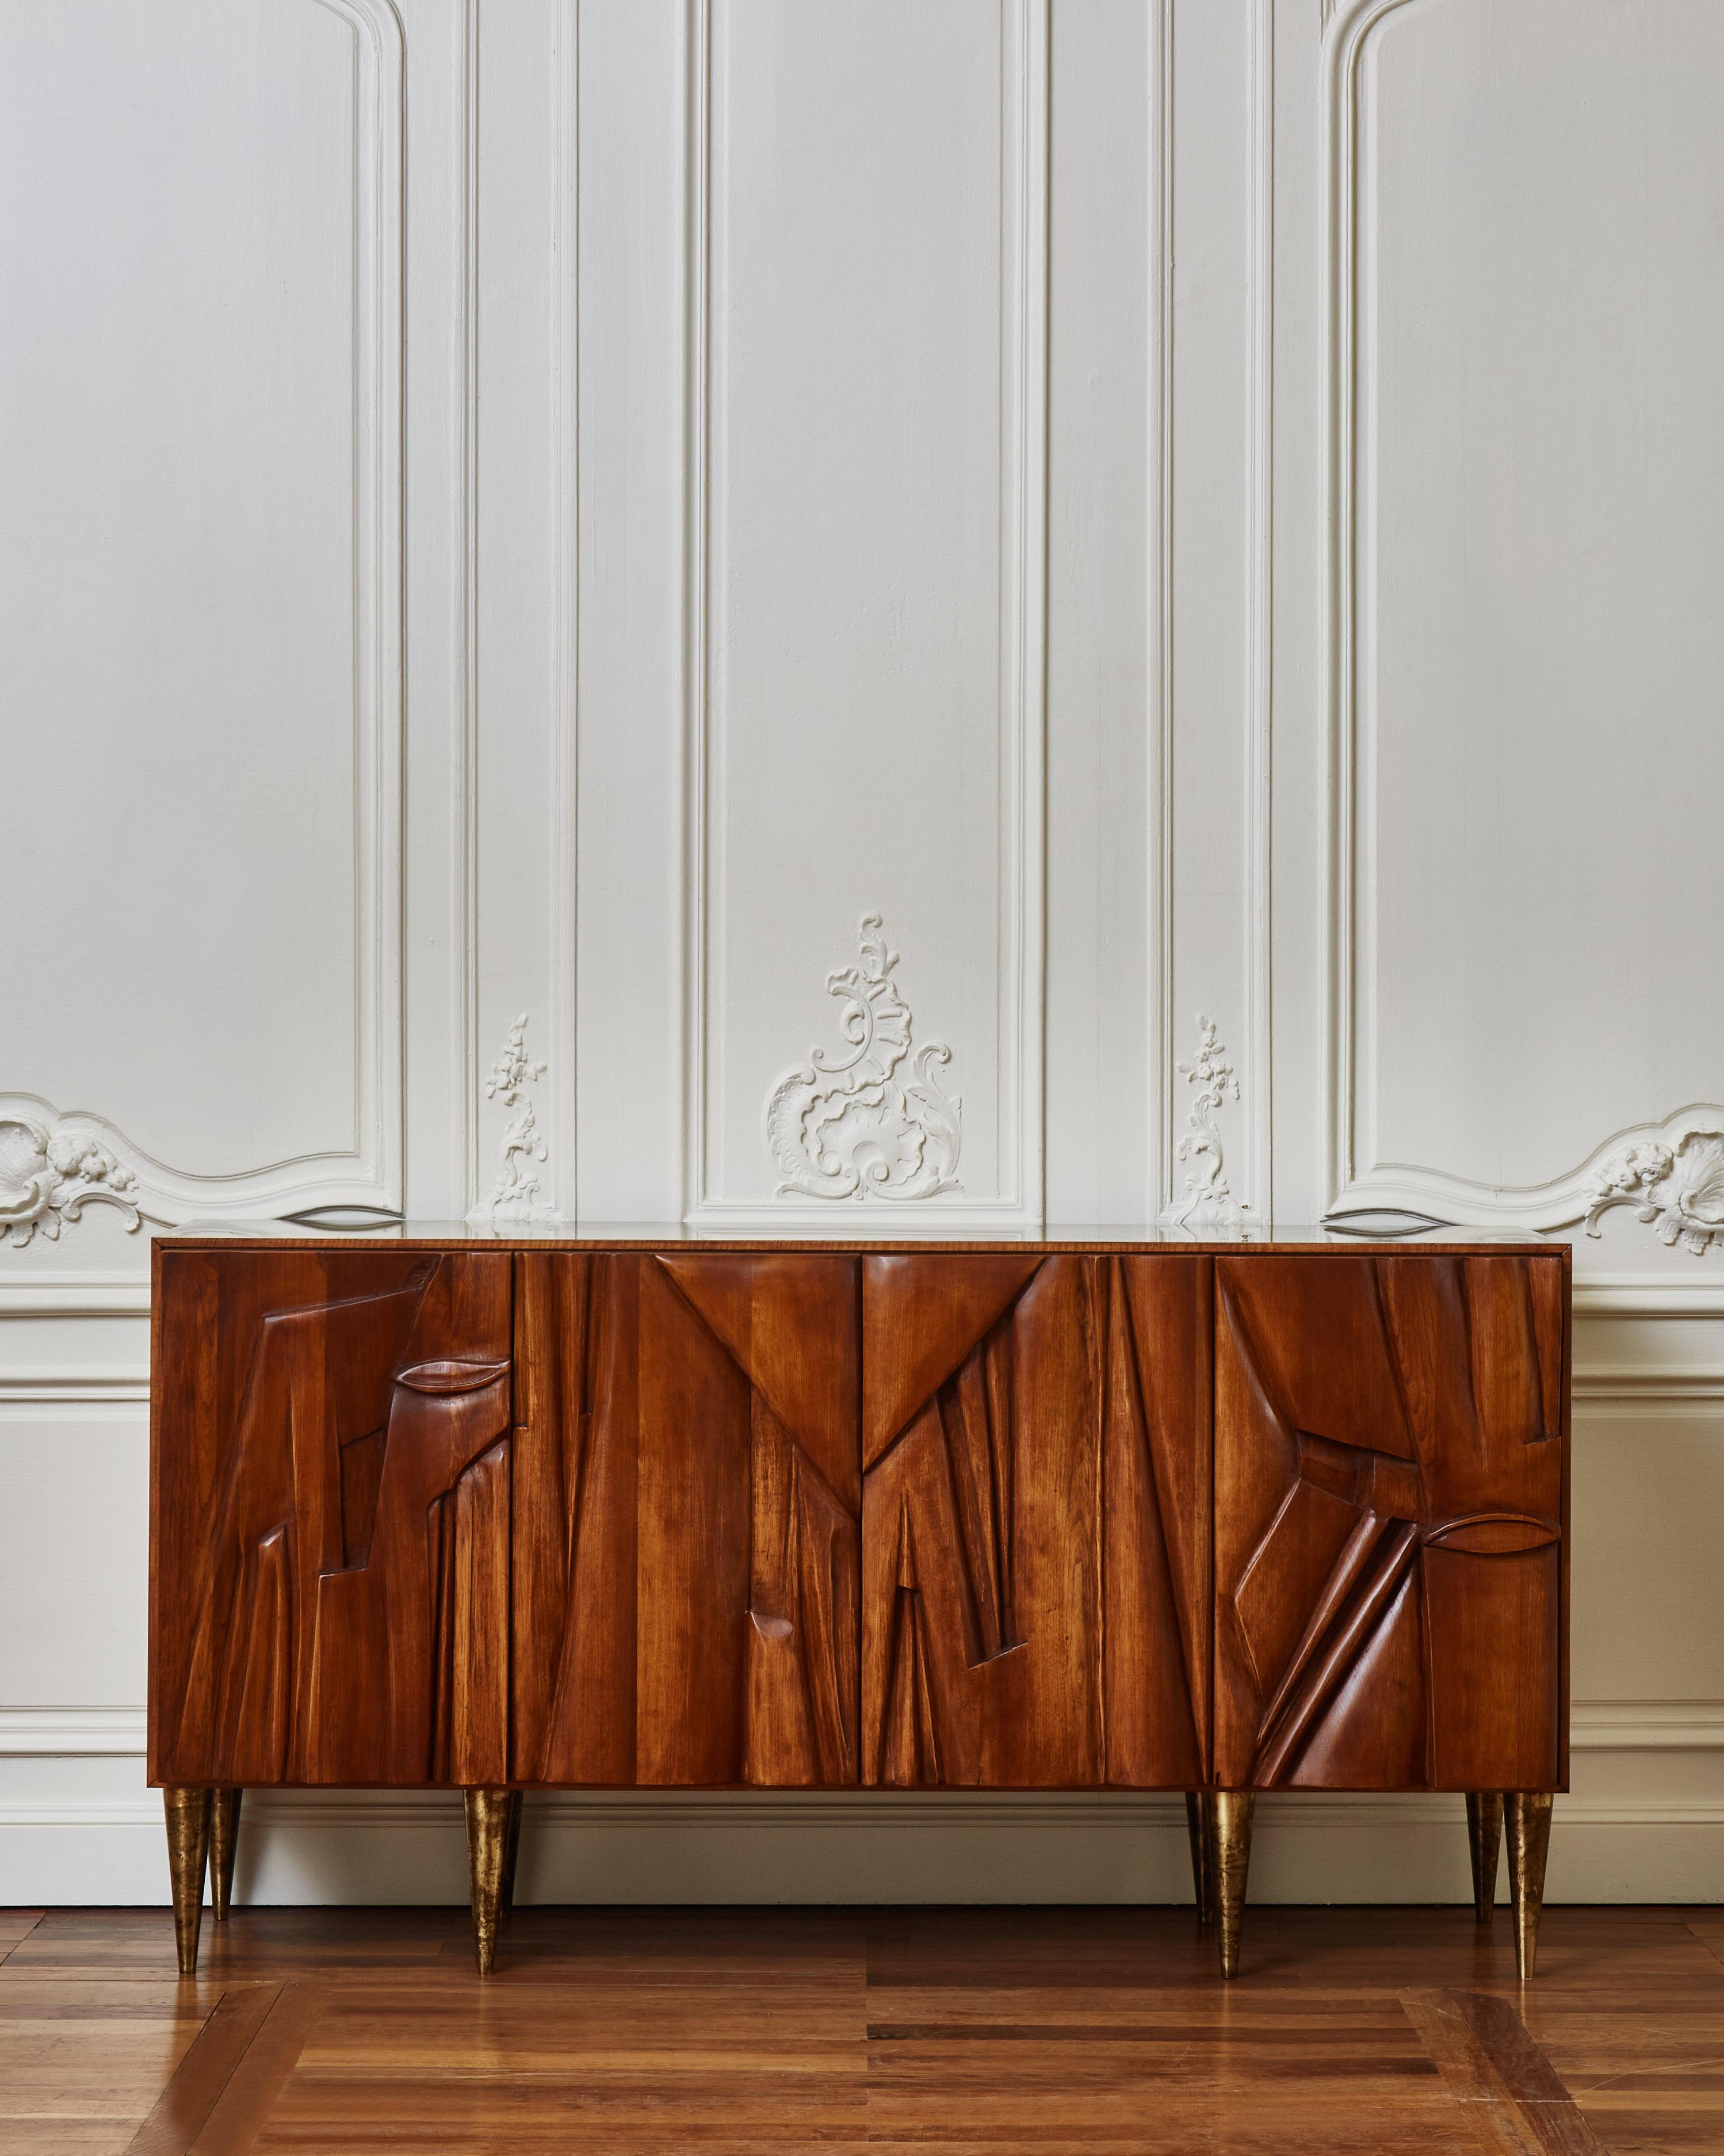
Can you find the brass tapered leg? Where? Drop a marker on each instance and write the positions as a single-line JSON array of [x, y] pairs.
[[223, 1847], [1202, 1878], [1228, 1815], [511, 1851], [187, 1814], [487, 1851], [1483, 1832], [1528, 1819]]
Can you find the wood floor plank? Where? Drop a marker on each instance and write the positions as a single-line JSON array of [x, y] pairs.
[[1350, 2032], [1649, 2075], [249, 2097], [1492, 2063], [180, 2110], [17, 1925], [83, 2073]]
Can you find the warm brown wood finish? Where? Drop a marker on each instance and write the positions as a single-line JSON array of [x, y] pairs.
[[1035, 1527], [688, 1483], [1389, 1504], [1155, 1516], [1352, 2032], [330, 1545]]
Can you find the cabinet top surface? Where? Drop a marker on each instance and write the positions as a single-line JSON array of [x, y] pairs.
[[659, 1234]]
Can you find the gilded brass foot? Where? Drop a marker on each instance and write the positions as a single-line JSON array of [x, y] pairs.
[[1484, 1830], [223, 1847], [511, 1850], [487, 1853], [1528, 1817], [187, 1814], [1203, 1882], [1227, 1815]]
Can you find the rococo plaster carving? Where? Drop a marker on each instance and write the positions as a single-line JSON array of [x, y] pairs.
[[1679, 1188], [1208, 1202], [516, 1194], [49, 1172], [848, 1127]]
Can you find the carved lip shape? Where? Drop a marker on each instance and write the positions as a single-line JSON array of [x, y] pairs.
[[1494, 1534], [447, 1378]]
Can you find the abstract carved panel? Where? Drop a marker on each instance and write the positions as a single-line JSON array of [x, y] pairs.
[[332, 1500], [1389, 1506], [1035, 1603], [687, 1501]]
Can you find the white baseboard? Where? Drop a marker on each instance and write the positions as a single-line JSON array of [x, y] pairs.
[[313, 1848]]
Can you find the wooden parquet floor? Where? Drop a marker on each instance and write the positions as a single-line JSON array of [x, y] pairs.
[[1350, 2032]]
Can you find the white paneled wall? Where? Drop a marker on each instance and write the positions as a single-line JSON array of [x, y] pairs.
[[526, 523]]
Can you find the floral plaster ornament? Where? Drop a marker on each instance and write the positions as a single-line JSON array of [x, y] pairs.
[[1678, 1190], [49, 1175], [847, 1126]]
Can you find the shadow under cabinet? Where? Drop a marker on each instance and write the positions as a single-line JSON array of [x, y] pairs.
[[629, 1510]]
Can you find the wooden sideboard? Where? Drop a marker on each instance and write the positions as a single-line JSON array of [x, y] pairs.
[[629, 1508]]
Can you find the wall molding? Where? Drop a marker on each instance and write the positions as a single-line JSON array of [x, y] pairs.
[[470, 1088], [307, 1850], [463, 928], [1647, 1725], [1560, 1200], [1255, 990], [369, 1170], [73, 1732], [1626, 1387], [1648, 1294], [1024, 451], [74, 1295], [45, 1382]]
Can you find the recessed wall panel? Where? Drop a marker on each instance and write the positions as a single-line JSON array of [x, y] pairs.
[[199, 576], [867, 551], [1530, 611]]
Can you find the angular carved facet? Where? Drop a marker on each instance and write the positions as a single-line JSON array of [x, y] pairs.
[[1035, 1531], [335, 1508], [1388, 1510], [688, 1483]]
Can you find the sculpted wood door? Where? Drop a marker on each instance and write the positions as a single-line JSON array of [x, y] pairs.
[[329, 1511], [687, 1504], [1035, 1520], [1389, 1516]]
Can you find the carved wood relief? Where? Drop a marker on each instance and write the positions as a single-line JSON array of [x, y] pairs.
[[338, 1534], [706, 1517], [1389, 1504], [1035, 1520], [688, 1500]]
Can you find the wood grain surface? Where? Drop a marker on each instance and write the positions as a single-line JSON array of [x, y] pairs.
[[1390, 1503], [781, 1517], [1350, 2032], [1036, 1525], [687, 1500], [330, 1479]]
